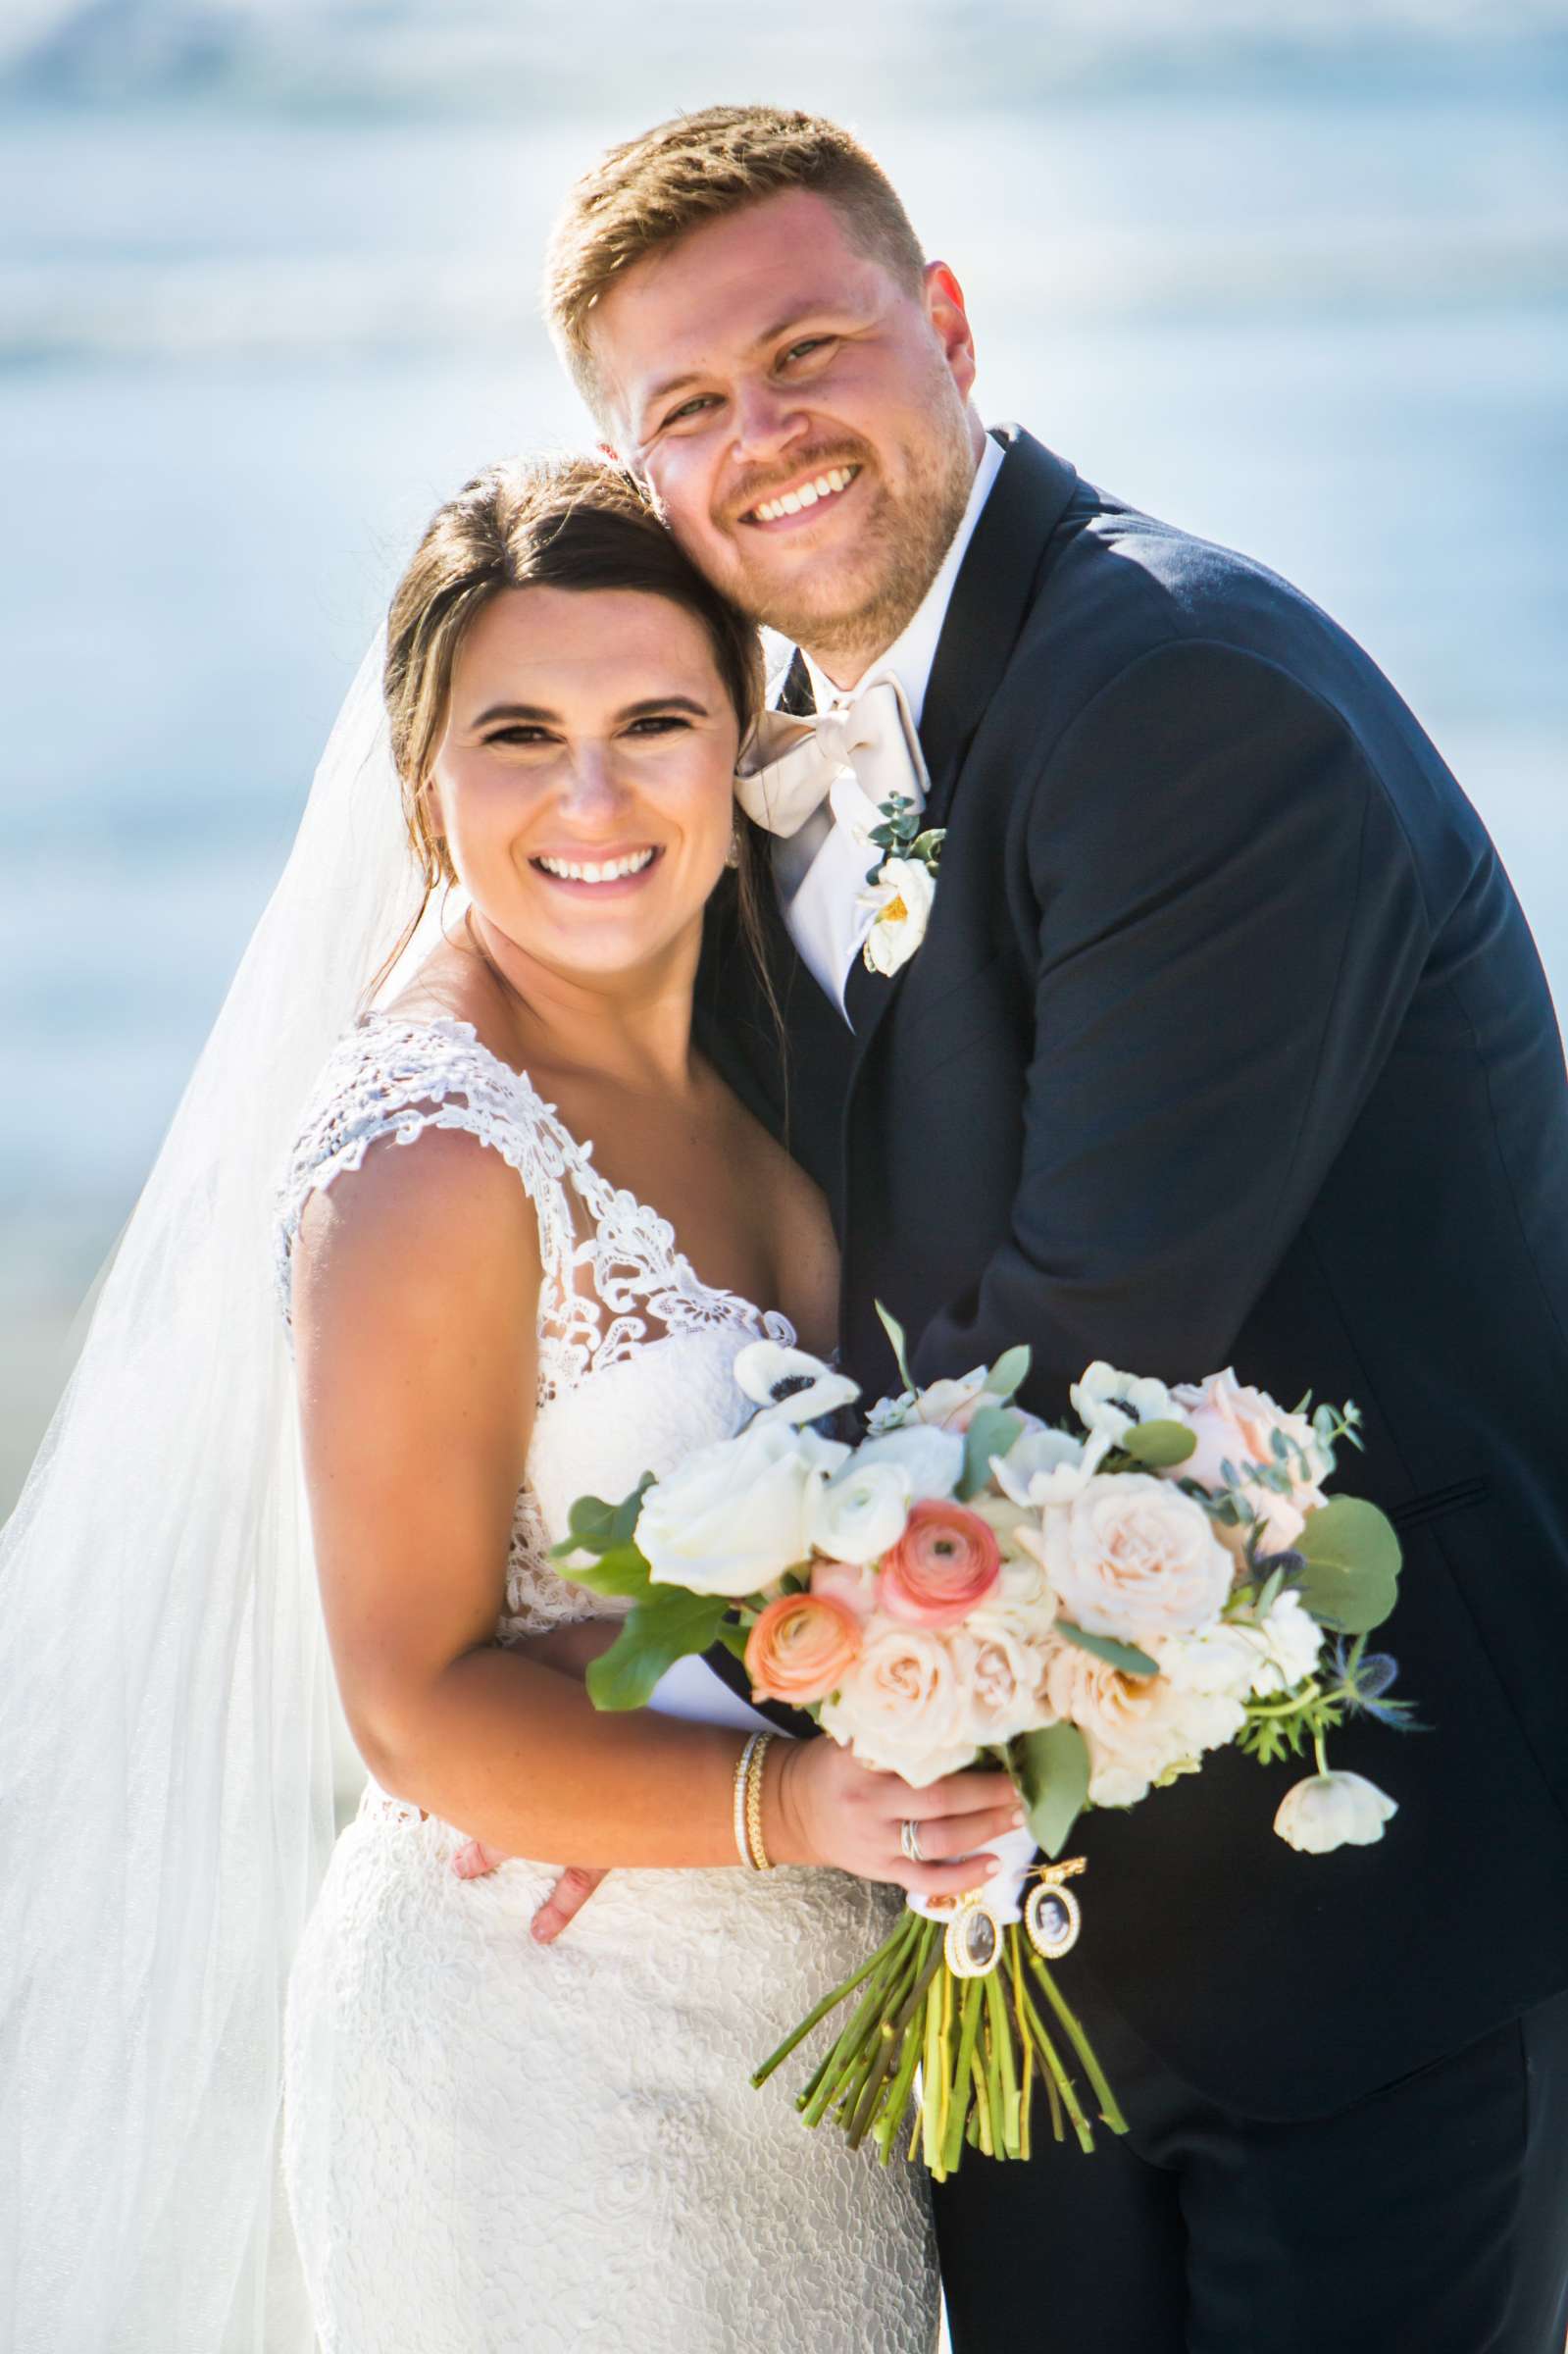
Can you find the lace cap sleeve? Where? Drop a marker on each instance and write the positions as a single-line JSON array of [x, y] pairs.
[[392, 1079]]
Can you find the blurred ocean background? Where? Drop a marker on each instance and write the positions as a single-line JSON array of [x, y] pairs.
[[1293, 276]]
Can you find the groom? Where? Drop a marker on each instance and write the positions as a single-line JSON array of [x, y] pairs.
[[1223, 1041]]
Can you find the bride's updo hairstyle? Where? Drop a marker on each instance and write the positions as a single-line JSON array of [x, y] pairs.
[[550, 523]]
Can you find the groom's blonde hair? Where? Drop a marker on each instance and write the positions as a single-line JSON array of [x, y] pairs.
[[654, 190]]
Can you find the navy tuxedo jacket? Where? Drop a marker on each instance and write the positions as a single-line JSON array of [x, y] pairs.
[[1228, 1043]]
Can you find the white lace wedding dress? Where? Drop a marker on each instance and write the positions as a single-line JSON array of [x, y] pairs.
[[495, 2146]]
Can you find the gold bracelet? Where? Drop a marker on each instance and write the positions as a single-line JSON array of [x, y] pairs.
[[738, 1794], [754, 1770]]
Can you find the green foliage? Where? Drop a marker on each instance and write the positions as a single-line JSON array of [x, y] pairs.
[[992, 1432], [1123, 1656], [1050, 1768], [1159, 1446], [895, 1335], [595, 1526], [624, 1571], [1009, 1373], [669, 1626], [1351, 1579]]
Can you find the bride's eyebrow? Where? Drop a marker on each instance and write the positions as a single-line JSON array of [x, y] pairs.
[[541, 716]]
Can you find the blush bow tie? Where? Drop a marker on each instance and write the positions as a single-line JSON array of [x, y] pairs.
[[791, 767]]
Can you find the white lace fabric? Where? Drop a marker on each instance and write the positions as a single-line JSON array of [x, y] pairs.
[[615, 1286]]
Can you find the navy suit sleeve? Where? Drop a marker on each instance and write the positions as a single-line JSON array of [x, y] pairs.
[[1231, 928]]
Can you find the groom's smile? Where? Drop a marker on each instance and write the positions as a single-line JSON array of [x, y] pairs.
[[801, 415]]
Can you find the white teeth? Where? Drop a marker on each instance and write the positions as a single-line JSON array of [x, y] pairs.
[[612, 870], [826, 486]]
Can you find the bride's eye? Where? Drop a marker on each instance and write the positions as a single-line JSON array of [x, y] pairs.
[[657, 723], [519, 732]]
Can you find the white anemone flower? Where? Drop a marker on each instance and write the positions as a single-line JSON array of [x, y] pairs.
[[764, 1367], [1105, 1399], [1332, 1810]]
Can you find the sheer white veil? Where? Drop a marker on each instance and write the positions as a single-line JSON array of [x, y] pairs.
[[165, 1768]]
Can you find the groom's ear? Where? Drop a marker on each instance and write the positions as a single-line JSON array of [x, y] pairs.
[[949, 318]]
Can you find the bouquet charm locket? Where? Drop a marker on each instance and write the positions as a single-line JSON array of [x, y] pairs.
[[1094, 1608]]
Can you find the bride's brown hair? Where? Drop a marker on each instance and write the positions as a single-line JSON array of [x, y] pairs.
[[552, 523]]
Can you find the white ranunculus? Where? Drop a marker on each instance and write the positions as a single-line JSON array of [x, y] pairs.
[[899, 903], [860, 1512], [763, 1367], [1291, 1641], [1107, 1401], [932, 1459], [1332, 1810], [1135, 1558], [1225, 1659], [735, 1515], [904, 1706], [1048, 1466]]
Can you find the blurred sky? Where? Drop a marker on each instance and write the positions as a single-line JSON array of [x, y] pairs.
[[1292, 276]]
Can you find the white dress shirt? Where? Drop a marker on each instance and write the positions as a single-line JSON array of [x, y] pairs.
[[820, 871]]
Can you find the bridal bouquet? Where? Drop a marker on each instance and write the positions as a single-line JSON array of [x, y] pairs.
[[1096, 1607]]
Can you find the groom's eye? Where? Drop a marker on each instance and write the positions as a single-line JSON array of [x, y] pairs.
[[806, 346], [690, 409]]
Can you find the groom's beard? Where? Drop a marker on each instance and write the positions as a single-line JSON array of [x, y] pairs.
[[849, 610]]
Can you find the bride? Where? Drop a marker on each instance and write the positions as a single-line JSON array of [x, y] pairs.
[[488, 2142]]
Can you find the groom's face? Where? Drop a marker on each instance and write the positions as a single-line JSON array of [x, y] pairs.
[[801, 417]]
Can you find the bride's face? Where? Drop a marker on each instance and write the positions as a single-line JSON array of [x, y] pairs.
[[584, 778]]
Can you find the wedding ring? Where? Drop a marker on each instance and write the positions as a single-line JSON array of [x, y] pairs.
[[909, 1841]]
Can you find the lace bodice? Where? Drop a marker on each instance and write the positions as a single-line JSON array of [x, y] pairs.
[[635, 1351]]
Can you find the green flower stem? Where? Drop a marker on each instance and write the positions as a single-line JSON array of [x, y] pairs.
[[932, 2080], [1001, 2030], [887, 2127], [1109, 2107], [1063, 2090], [830, 2002], [898, 2037], [1026, 2047], [968, 2008], [1319, 1753]]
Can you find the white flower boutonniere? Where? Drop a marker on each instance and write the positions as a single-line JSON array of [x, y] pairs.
[[900, 890]]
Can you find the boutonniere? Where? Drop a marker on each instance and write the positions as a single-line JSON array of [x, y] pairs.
[[902, 889]]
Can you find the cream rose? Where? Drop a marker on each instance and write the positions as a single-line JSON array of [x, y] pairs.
[[1138, 1729], [903, 1708], [735, 1516], [1009, 1648], [1237, 1425], [1135, 1558]]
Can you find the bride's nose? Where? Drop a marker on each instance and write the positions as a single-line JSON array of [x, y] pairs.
[[589, 785]]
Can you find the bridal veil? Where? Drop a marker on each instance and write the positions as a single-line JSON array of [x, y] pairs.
[[165, 1768]]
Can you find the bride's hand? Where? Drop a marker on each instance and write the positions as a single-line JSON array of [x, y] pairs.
[[821, 1806]]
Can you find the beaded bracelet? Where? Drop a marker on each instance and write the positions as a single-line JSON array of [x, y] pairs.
[[742, 1789], [760, 1859]]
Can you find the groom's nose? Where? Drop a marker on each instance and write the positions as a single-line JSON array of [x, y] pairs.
[[767, 419]]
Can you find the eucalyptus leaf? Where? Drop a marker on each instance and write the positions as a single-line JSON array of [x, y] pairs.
[[591, 1523], [992, 1432], [1051, 1771], [895, 1334], [1125, 1656], [621, 1571], [654, 1634], [1159, 1446], [1009, 1373], [1352, 1558]]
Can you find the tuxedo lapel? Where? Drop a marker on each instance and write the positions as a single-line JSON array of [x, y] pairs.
[[996, 586]]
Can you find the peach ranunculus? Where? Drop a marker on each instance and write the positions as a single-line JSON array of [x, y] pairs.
[[801, 1648], [1235, 1424], [904, 1706], [853, 1584], [1135, 1558], [946, 1561]]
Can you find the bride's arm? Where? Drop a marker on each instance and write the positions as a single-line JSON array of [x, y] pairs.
[[415, 1294]]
